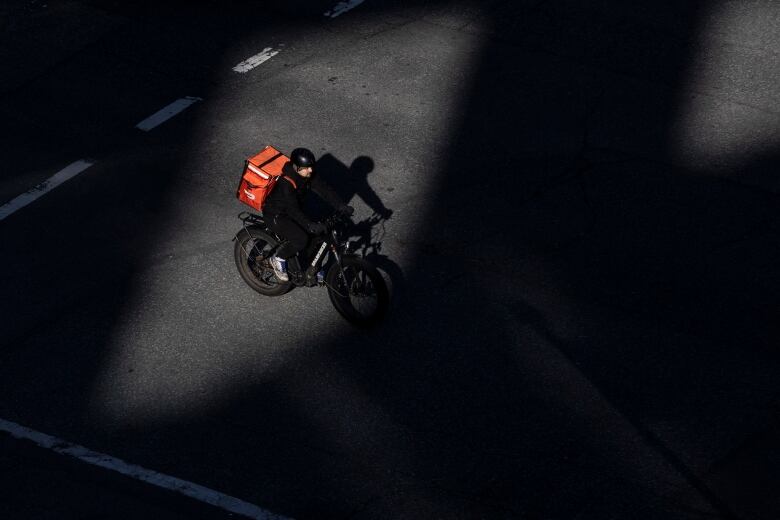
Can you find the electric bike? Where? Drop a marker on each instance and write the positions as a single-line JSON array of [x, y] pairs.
[[355, 287]]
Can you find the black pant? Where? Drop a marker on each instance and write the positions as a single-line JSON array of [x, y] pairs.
[[296, 239]]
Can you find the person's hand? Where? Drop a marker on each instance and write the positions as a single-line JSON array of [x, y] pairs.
[[346, 210], [315, 228]]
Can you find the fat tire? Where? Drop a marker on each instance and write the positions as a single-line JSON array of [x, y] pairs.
[[252, 238], [344, 305]]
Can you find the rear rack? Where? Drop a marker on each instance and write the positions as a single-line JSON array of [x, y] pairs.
[[251, 218]]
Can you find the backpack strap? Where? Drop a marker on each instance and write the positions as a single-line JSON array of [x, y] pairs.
[[285, 177], [272, 159]]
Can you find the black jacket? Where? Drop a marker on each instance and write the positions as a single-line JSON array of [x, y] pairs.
[[286, 200]]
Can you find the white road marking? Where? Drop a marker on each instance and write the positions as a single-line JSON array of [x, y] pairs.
[[166, 113], [261, 57], [342, 7], [43, 188], [196, 491]]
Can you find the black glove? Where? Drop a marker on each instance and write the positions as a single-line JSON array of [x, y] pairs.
[[346, 210], [315, 228]]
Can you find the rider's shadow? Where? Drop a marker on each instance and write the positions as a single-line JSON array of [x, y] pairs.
[[367, 235], [349, 181]]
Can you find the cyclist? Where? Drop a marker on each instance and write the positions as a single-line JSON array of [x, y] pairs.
[[283, 210]]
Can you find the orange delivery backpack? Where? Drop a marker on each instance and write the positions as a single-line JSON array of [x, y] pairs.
[[260, 175]]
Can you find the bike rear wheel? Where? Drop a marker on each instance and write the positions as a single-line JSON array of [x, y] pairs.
[[252, 253], [360, 295]]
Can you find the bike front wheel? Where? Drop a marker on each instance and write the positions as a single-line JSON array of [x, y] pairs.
[[359, 293]]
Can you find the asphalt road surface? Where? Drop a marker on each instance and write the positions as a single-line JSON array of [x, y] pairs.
[[584, 254]]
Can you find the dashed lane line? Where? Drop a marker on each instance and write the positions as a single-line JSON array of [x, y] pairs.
[[167, 112], [259, 58], [183, 487], [43, 188], [269, 52], [342, 7], [154, 121]]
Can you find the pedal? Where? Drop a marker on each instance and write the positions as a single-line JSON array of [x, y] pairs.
[[297, 279], [312, 280]]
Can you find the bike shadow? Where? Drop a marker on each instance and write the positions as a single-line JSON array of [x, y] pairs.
[[366, 236], [366, 241]]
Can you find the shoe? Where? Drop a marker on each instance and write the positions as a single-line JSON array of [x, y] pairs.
[[280, 268]]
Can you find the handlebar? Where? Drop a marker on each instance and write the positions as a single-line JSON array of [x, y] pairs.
[[334, 220]]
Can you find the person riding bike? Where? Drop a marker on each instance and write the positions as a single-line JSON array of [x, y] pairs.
[[283, 210]]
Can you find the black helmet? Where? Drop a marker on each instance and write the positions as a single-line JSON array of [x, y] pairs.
[[302, 158]]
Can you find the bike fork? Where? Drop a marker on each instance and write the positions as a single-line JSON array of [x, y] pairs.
[[341, 270]]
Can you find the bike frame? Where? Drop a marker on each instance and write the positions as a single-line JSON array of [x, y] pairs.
[[333, 241]]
